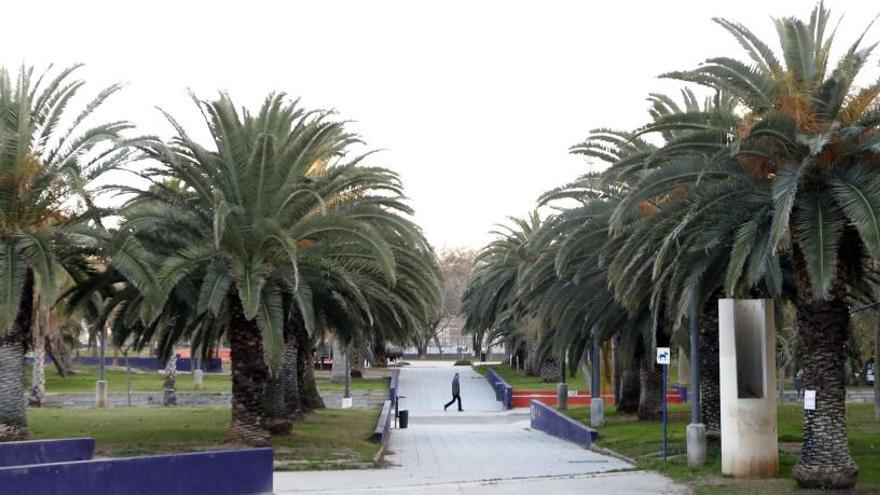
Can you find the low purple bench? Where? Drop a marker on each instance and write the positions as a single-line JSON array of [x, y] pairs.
[[231, 472], [383, 426], [45, 451]]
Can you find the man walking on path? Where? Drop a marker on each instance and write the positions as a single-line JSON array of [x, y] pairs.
[[456, 394]]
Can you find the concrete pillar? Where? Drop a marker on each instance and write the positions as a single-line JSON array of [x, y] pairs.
[[198, 380], [696, 444], [101, 393], [597, 413], [562, 396], [747, 354]]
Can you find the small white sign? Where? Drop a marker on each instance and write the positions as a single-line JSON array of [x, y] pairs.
[[663, 355], [810, 400]]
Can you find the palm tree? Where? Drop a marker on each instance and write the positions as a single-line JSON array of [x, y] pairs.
[[490, 302], [46, 173], [241, 219], [809, 145]]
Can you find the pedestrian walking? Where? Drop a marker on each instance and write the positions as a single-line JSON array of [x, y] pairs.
[[799, 382], [456, 394]]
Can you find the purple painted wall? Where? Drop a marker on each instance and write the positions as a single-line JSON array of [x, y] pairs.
[[232, 472], [503, 391], [213, 365], [45, 451], [553, 422]]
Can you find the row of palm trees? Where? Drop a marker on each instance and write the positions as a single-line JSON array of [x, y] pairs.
[[266, 237], [768, 188]]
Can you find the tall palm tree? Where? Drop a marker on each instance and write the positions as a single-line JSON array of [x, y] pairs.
[[809, 142], [490, 302], [46, 177]]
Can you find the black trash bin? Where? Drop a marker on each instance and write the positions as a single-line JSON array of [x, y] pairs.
[[403, 416]]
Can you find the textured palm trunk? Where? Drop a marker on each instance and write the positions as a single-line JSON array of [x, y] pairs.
[[630, 387], [170, 396], [282, 391], [309, 398], [823, 327], [710, 377], [380, 360], [249, 374], [651, 388], [13, 406], [38, 375], [877, 373], [290, 376]]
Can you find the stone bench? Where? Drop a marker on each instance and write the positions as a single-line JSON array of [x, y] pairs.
[[231, 472]]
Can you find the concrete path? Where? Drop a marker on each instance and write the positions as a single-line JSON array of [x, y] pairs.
[[483, 449]]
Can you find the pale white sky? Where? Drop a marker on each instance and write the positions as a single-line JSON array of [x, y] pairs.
[[475, 102]]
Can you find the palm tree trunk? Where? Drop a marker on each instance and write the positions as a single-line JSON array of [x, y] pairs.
[[877, 373], [288, 371], [38, 376], [630, 387], [380, 360], [710, 374], [823, 326], [13, 407], [309, 398], [651, 388], [39, 331], [249, 374], [170, 396]]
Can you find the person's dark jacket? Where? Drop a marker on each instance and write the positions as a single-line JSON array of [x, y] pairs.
[[455, 387]]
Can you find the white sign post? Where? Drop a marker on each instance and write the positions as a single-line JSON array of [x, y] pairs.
[[664, 356]]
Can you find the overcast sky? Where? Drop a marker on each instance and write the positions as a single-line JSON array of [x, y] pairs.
[[475, 102]]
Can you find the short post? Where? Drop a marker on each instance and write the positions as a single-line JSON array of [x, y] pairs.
[[127, 379], [562, 388], [101, 384], [665, 422], [346, 394], [663, 359], [696, 430], [597, 406], [198, 374]]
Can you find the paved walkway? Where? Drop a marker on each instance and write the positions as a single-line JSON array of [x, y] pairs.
[[483, 449]]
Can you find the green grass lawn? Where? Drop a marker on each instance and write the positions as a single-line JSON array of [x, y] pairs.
[[643, 441], [84, 382], [324, 439], [357, 384], [519, 381]]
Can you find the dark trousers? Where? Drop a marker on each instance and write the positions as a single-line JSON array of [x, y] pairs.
[[455, 397]]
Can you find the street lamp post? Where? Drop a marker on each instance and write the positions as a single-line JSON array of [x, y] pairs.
[[597, 406], [696, 430], [562, 388]]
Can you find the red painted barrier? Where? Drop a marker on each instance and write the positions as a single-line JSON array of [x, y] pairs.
[[523, 398]]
